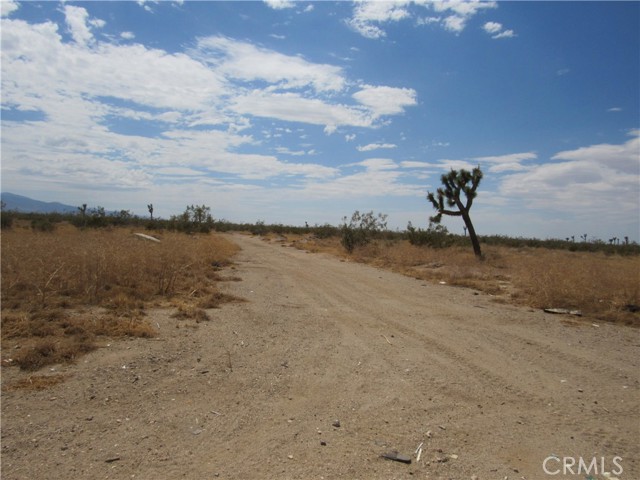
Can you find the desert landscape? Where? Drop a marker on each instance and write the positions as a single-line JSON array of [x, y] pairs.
[[316, 366]]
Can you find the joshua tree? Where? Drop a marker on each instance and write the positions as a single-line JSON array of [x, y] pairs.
[[83, 212], [150, 207], [454, 183]]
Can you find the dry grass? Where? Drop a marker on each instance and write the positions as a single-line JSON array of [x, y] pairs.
[[602, 286], [61, 290]]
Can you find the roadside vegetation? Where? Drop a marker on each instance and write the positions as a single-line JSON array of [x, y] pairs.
[[64, 287], [69, 280]]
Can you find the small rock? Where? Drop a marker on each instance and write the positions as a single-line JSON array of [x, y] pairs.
[[336, 424], [290, 457], [197, 431], [323, 443]]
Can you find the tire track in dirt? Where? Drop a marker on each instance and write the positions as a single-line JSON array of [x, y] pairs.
[[471, 357]]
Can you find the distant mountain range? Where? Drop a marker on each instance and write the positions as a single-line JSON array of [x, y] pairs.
[[19, 203]]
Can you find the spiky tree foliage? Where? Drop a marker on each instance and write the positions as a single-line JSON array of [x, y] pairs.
[[455, 183]]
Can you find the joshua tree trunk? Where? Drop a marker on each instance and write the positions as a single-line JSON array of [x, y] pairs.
[[456, 182], [472, 234]]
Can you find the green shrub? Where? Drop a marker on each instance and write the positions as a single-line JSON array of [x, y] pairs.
[[362, 228]]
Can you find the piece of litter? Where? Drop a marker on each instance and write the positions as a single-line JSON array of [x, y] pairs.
[[419, 447], [395, 456], [453, 455], [147, 237], [419, 454]]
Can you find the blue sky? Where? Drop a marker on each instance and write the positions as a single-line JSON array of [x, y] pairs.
[[293, 112]]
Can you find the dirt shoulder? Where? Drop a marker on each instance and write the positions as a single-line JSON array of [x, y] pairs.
[[489, 390]]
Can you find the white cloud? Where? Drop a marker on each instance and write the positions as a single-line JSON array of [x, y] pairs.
[[458, 13], [380, 178], [376, 164], [293, 107], [36, 65], [385, 100], [594, 183], [366, 13], [455, 23], [492, 27], [369, 17], [374, 146], [287, 151], [614, 109], [279, 4], [350, 138], [76, 18], [506, 163], [415, 164], [77, 143], [495, 30], [7, 7], [624, 158], [505, 34], [145, 4], [244, 61], [449, 164]]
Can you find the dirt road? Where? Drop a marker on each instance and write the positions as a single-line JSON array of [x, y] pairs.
[[488, 390]]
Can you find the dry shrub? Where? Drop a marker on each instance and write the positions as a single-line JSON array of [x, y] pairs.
[[598, 284], [96, 266], [114, 326], [216, 299], [189, 311], [47, 277], [52, 350]]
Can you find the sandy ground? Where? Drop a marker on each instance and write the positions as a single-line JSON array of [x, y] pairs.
[[489, 390]]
